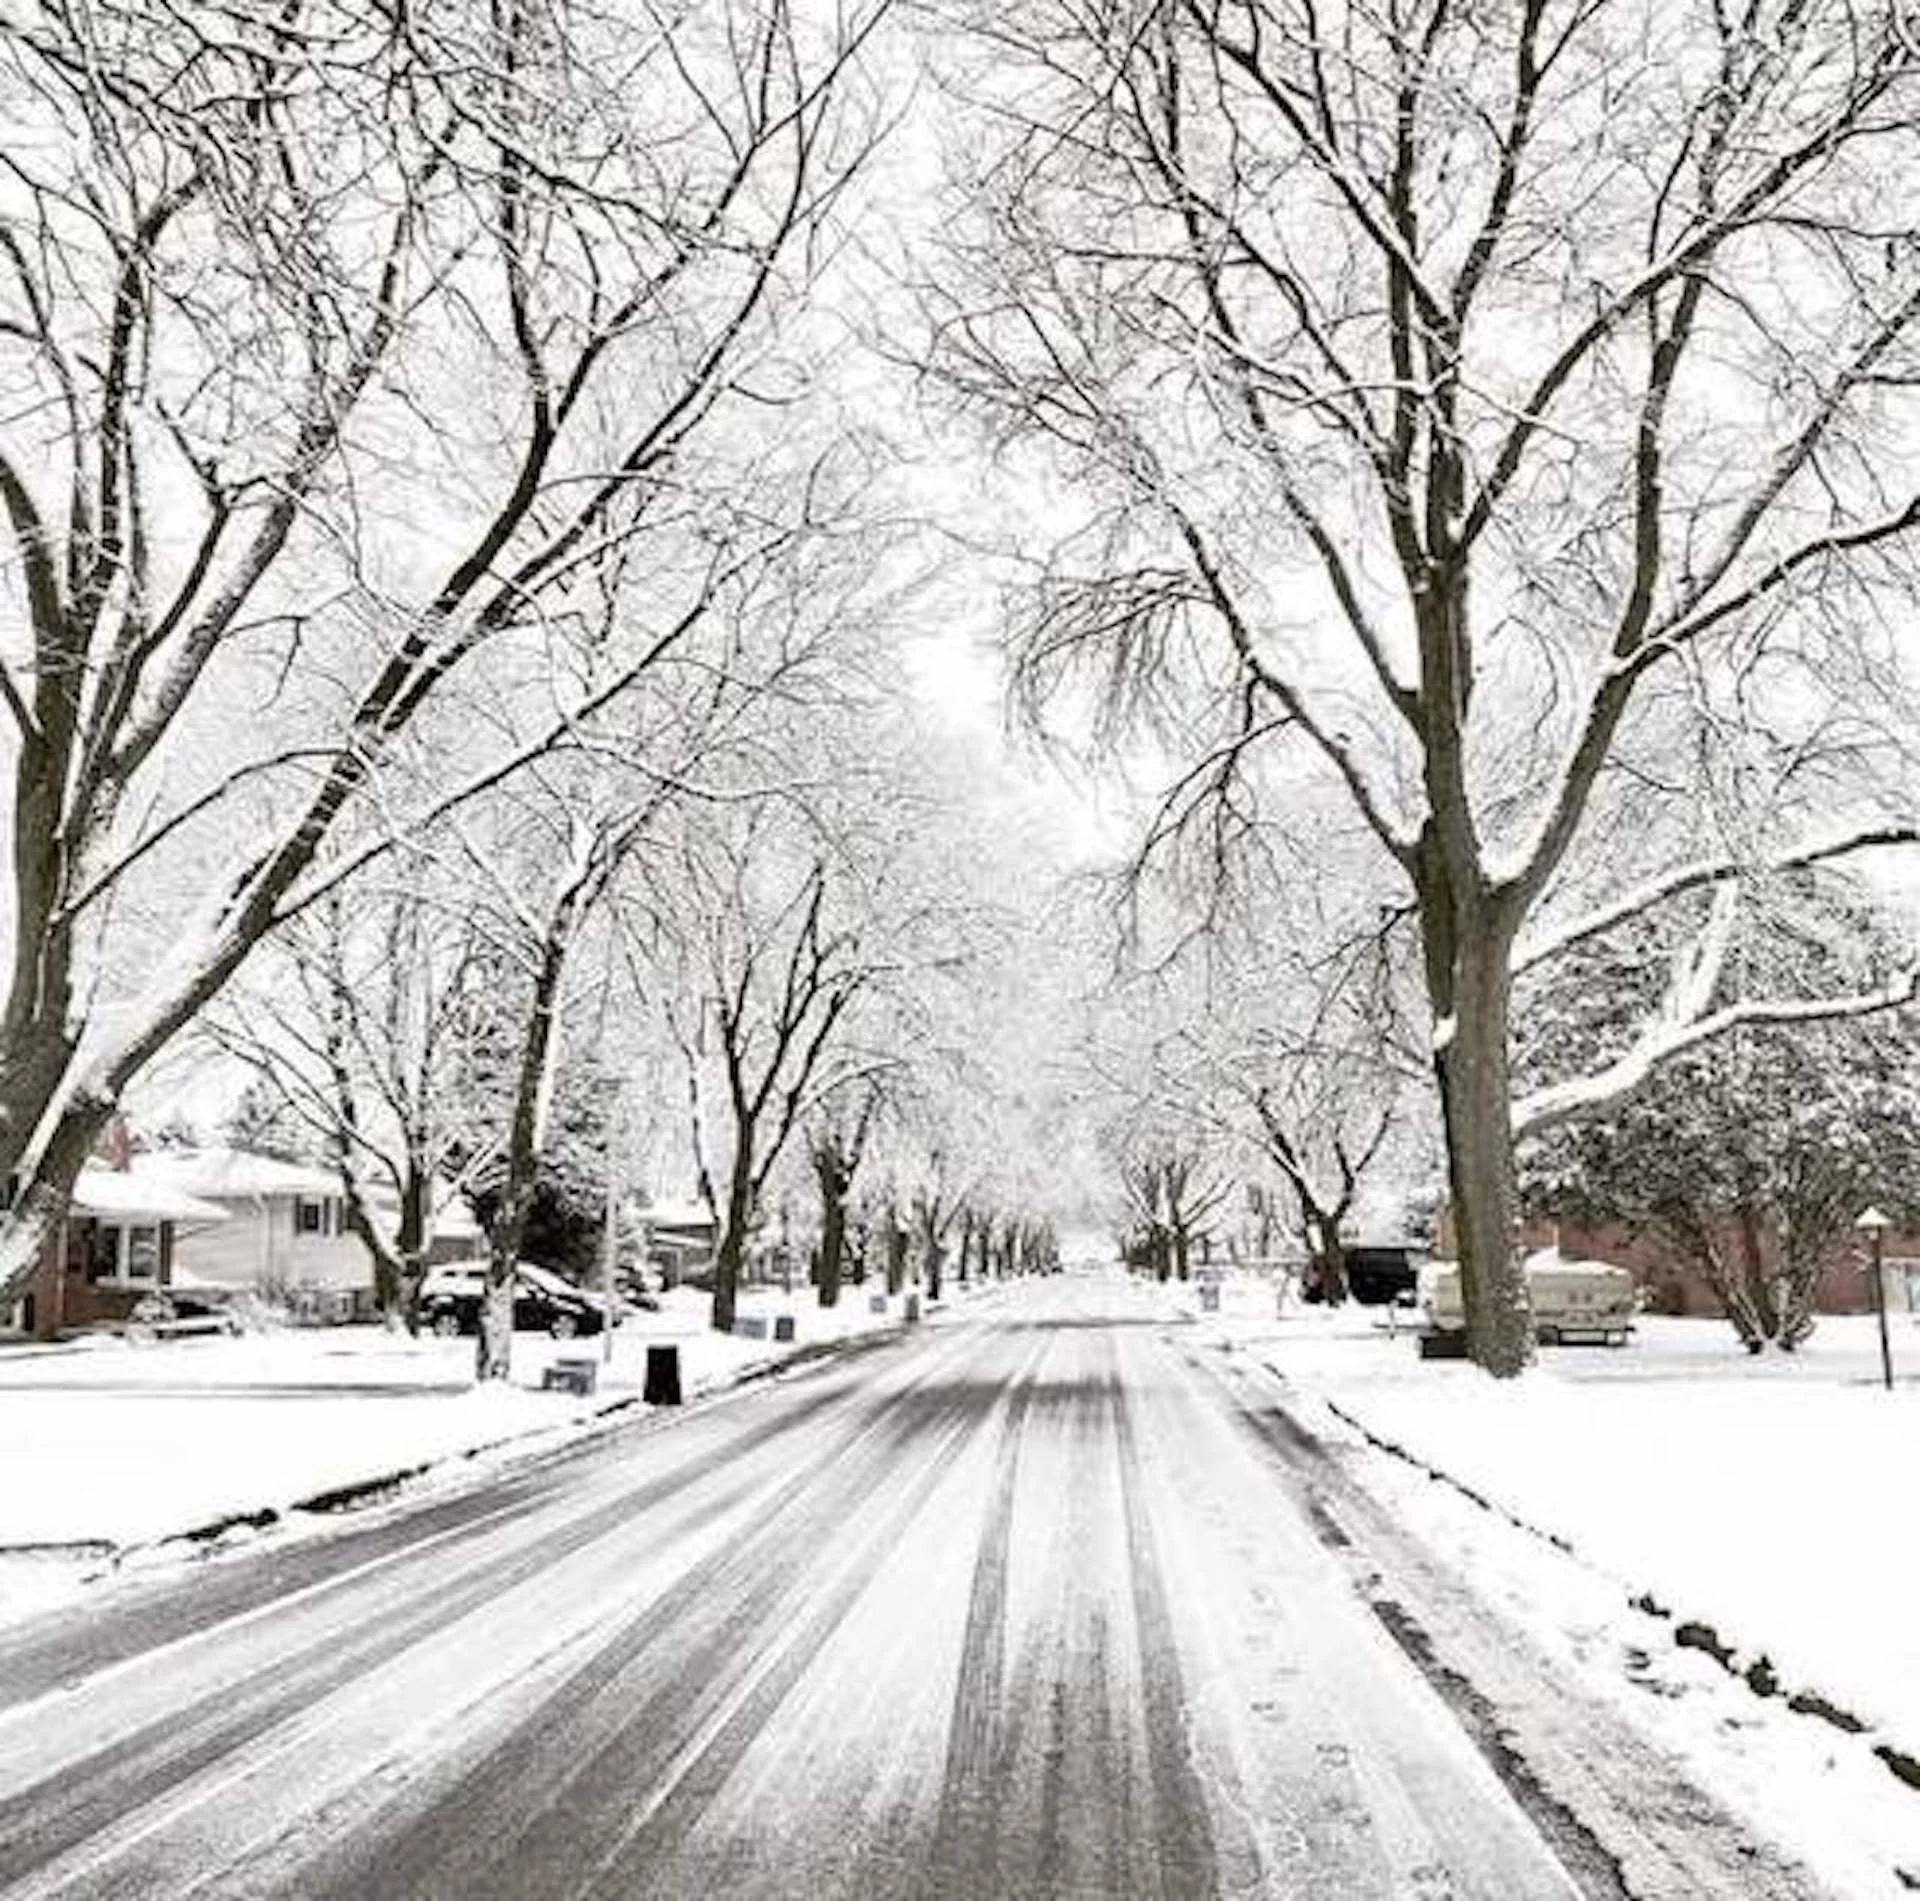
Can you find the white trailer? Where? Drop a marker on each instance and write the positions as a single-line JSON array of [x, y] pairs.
[[1572, 1301]]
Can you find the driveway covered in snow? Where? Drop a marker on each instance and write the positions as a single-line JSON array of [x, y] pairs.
[[1034, 1604]]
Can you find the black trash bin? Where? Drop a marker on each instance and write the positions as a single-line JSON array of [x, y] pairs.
[[663, 1377]]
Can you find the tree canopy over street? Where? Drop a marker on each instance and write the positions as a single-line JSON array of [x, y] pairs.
[[508, 508]]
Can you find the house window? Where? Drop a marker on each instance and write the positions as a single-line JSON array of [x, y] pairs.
[[123, 1256], [140, 1254], [319, 1214]]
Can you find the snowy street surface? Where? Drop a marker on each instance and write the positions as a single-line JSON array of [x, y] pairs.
[[1039, 1601]]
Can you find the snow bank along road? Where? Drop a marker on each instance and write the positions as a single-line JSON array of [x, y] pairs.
[[1036, 1604]]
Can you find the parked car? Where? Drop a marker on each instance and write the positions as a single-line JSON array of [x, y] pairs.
[[451, 1298], [1381, 1276]]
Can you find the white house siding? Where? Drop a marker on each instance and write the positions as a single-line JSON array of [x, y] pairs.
[[257, 1248], [323, 1273], [316, 1260], [232, 1252]]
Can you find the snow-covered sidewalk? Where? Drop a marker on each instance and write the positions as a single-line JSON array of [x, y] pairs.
[[1768, 1503], [117, 1447]]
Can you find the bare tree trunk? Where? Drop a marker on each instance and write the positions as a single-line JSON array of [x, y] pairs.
[[508, 1229], [35, 1052], [1326, 1257], [388, 1279], [35, 1221], [730, 1255], [929, 1224], [1466, 944], [833, 1247], [896, 1246], [836, 1161]]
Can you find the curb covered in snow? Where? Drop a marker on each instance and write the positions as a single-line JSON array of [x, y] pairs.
[[108, 1558], [1689, 1633]]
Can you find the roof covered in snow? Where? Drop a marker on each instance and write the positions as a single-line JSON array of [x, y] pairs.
[[114, 1194], [224, 1174], [678, 1214]]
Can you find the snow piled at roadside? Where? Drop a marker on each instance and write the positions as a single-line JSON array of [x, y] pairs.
[[1770, 1500], [1773, 1500]]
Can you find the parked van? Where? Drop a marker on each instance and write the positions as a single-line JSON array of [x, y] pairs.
[[1572, 1301]]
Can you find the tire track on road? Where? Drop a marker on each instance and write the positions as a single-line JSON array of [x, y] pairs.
[[1185, 1864], [665, 1829], [125, 1788], [612, 1731], [1068, 1754], [964, 1852], [220, 1592]]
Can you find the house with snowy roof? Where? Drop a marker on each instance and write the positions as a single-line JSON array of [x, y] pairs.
[[286, 1234], [119, 1244], [215, 1222]]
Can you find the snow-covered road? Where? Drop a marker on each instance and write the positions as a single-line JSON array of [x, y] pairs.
[[1025, 1606]]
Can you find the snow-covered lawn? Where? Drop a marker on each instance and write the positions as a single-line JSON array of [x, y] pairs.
[[1773, 1500], [115, 1446]]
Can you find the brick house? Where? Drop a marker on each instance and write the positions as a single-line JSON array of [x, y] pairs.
[[117, 1246], [1674, 1286]]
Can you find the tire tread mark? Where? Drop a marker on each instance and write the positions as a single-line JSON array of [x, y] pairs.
[[965, 1846], [641, 1694], [1185, 1862], [53, 1817], [663, 1831]]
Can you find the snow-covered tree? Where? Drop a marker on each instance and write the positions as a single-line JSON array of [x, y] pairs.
[[549, 862], [1757, 1150], [261, 1122], [1464, 403], [1174, 1182], [365, 1018], [837, 1137], [564, 1222], [342, 354], [776, 944]]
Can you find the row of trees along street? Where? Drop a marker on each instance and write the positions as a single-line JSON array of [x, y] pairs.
[[477, 477], [1501, 419]]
